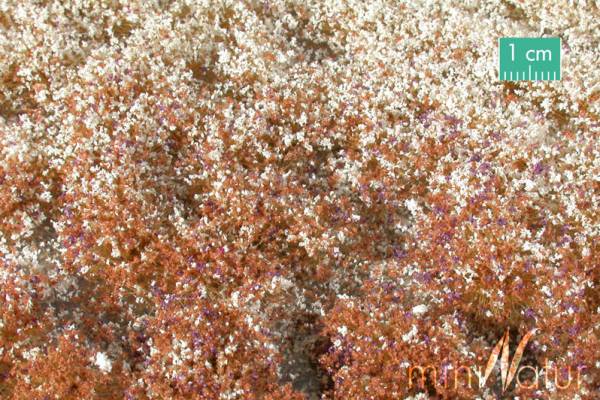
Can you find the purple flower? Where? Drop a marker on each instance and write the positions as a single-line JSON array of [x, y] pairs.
[[475, 157], [399, 253], [538, 168], [485, 167]]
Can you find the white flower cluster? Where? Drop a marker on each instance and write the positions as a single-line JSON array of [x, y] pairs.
[[279, 160]]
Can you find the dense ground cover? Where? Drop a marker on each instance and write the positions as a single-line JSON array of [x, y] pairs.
[[289, 199]]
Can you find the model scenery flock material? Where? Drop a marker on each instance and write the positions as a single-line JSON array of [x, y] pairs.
[[290, 199]]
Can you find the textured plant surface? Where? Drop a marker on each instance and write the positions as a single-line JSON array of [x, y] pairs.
[[293, 200]]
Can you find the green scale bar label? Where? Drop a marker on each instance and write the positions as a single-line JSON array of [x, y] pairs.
[[529, 59]]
